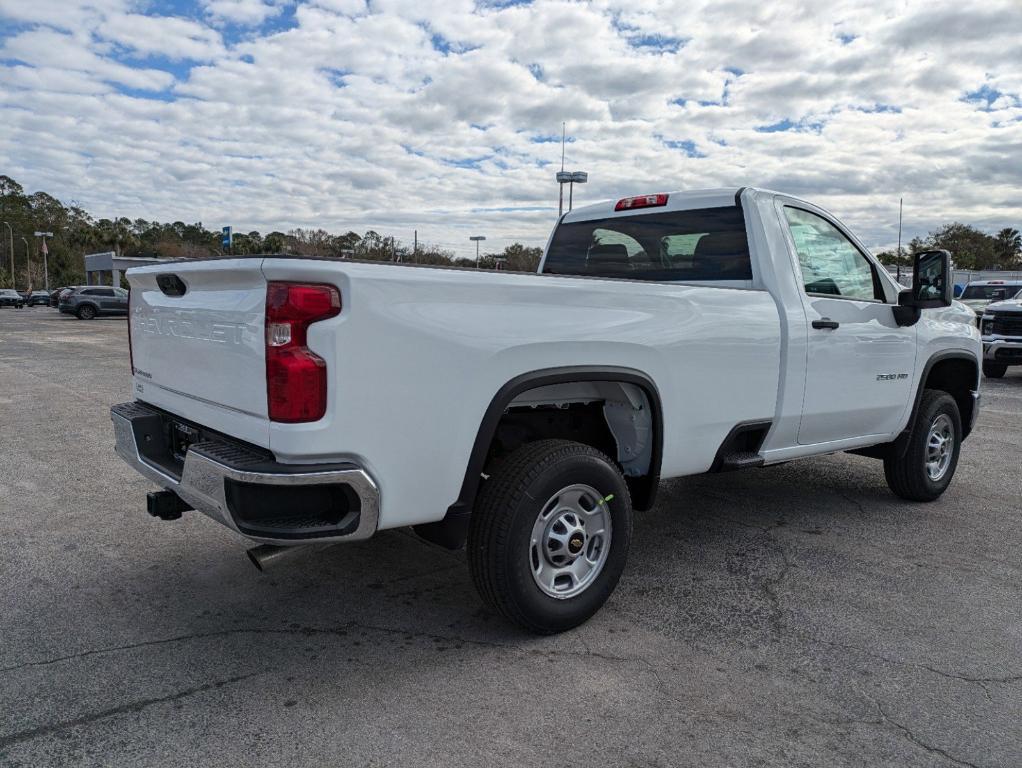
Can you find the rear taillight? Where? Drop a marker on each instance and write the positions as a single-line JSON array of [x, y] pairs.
[[295, 376], [642, 201]]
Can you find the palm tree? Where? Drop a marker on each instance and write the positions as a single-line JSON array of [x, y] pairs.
[[1008, 244]]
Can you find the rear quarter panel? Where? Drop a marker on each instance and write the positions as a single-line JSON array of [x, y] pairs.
[[417, 355]]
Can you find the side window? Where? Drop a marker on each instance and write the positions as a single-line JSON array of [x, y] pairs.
[[105, 292], [89, 292], [831, 264]]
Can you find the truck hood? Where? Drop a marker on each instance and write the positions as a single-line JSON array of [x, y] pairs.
[[1012, 305], [975, 304]]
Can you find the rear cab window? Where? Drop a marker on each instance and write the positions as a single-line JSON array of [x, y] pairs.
[[990, 292], [706, 244]]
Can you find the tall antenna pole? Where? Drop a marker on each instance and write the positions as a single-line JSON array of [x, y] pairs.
[[901, 202], [562, 146], [560, 185]]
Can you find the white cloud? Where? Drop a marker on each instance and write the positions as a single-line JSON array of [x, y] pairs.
[[245, 12], [401, 115], [174, 38]]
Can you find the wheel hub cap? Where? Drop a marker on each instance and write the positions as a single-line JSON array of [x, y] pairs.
[[570, 541], [940, 447]]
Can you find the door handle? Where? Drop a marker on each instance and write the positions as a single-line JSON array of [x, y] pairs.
[[826, 322]]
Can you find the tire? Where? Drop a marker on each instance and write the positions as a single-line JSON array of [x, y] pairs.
[[525, 509], [994, 370], [925, 470], [86, 312]]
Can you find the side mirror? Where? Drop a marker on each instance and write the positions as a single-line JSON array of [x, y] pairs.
[[931, 280]]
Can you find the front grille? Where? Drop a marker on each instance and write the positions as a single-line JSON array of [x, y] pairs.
[[1006, 324]]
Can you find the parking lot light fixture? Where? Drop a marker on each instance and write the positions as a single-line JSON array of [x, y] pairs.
[[577, 177], [563, 177], [477, 239]]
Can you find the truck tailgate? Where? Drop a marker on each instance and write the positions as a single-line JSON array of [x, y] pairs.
[[197, 334]]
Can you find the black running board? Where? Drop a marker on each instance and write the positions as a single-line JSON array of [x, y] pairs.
[[740, 449]]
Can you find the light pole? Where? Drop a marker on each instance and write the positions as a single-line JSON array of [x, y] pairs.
[[46, 269], [577, 177], [477, 239], [28, 264], [11, 233], [571, 178], [563, 177]]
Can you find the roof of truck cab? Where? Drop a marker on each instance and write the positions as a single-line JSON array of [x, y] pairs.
[[676, 201]]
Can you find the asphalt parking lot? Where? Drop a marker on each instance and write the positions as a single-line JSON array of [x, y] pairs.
[[797, 615]]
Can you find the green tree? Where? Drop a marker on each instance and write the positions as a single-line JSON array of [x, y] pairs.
[[969, 247], [1008, 246]]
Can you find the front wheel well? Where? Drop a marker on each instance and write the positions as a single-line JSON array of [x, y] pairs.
[[958, 377]]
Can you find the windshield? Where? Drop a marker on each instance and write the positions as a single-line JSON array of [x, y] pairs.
[[989, 292], [704, 244]]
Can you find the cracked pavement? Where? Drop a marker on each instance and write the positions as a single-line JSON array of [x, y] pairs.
[[797, 615]]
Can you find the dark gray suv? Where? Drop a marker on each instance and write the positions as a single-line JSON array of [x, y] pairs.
[[89, 301]]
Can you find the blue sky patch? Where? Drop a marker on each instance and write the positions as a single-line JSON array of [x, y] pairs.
[[984, 95], [336, 76], [685, 145], [658, 43]]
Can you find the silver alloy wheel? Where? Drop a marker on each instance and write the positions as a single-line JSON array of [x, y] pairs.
[[570, 541], [940, 447]]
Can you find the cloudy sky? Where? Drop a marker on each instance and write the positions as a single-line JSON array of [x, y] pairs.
[[446, 116]]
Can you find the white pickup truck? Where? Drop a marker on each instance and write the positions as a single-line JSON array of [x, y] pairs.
[[306, 401]]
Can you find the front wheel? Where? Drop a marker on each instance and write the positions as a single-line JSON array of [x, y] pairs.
[[549, 535], [994, 370], [925, 470]]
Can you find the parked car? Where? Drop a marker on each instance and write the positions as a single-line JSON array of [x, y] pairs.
[[60, 293], [979, 293], [307, 401], [38, 298], [11, 298], [1001, 327], [89, 301], [55, 296]]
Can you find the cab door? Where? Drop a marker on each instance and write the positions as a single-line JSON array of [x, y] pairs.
[[106, 299], [860, 362], [120, 300]]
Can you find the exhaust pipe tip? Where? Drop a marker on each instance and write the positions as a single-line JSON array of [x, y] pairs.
[[266, 555], [254, 557]]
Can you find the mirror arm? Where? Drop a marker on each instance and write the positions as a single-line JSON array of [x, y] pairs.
[[906, 313]]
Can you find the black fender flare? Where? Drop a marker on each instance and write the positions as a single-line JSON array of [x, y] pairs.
[[452, 530], [900, 444]]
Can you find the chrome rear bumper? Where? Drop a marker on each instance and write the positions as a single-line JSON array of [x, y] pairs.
[[209, 469]]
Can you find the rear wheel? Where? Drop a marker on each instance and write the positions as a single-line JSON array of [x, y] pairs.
[[994, 370], [925, 470], [86, 312], [548, 538]]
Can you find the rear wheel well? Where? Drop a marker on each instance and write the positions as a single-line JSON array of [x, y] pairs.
[[617, 418], [615, 410]]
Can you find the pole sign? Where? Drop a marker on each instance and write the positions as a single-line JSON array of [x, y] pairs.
[[226, 238]]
